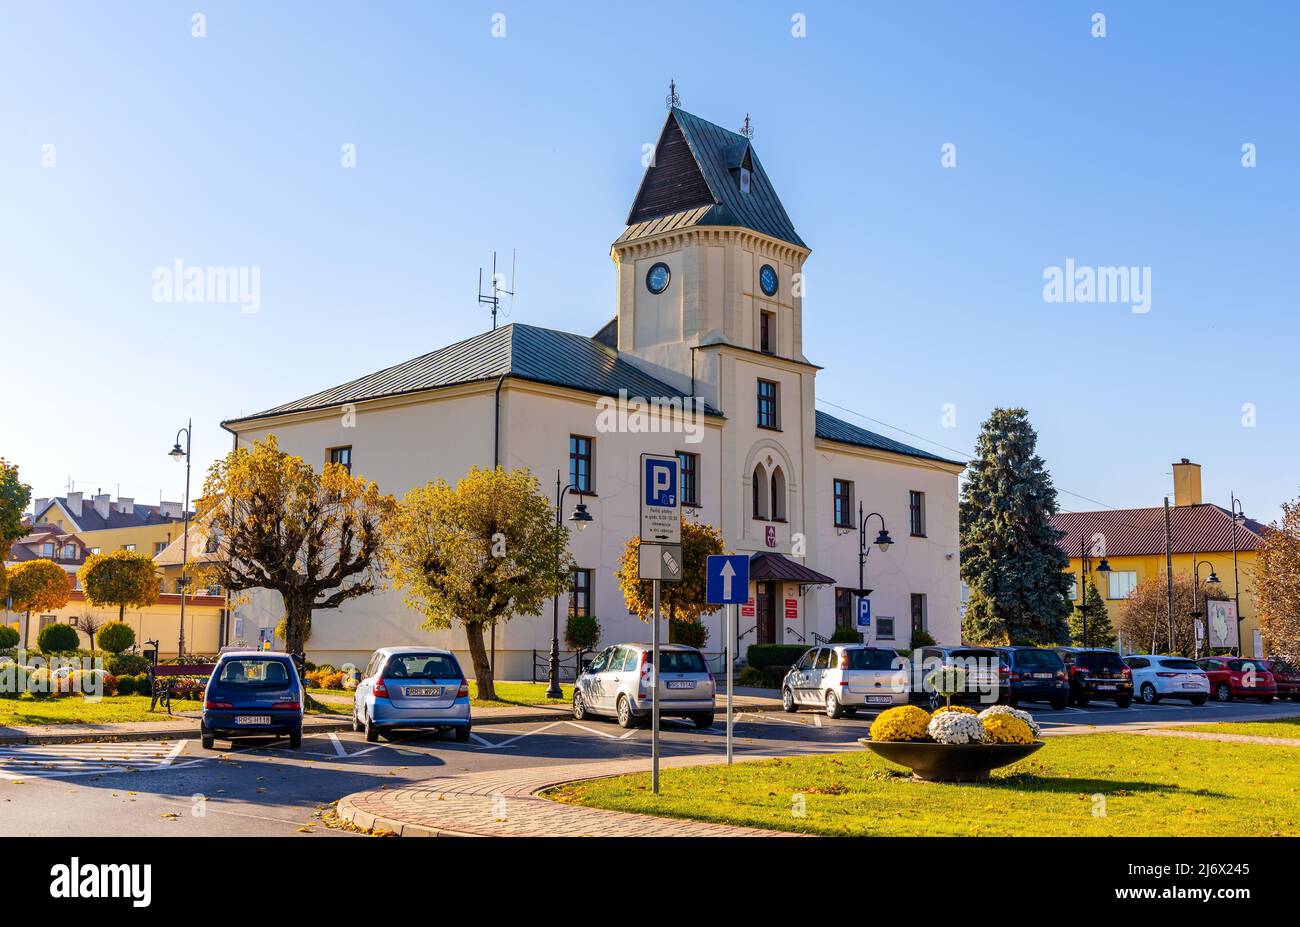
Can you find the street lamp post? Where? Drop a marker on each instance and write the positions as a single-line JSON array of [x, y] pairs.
[[1238, 516], [1085, 568], [177, 454], [580, 517], [883, 541], [1213, 580]]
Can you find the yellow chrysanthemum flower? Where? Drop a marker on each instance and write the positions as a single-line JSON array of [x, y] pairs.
[[1005, 729], [906, 722], [960, 709]]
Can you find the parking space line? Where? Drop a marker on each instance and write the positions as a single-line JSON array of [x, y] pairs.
[[339, 750]]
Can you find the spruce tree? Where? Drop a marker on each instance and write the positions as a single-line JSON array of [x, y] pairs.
[[1010, 557], [1100, 631]]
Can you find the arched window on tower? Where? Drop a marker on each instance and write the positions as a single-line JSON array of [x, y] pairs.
[[760, 491], [777, 509]]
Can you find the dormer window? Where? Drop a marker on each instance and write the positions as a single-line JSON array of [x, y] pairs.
[[744, 180]]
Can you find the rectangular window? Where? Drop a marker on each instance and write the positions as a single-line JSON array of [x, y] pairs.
[[1122, 584], [580, 593], [767, 332], [341, 456], [94, 550], [843, 494], [47, 550], [884, 629], [159, 547], [918, 611], [580, 463], [844, 609], [768, 398], [690, 479], [1074, 588], [128, 547], [916, 512]]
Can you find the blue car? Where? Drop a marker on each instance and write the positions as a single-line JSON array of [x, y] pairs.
[[1036, 674], [253, 693], [412, 687]]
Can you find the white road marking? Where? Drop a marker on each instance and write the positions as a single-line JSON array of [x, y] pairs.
[[61, 761], [338, 745]]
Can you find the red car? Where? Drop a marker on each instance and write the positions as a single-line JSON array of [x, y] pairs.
[[1233, 677], [1286, 676]]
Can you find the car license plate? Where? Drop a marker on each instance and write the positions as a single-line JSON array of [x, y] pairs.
[[1106, 688], [681, 684], [423, 691], [878, 699], [252, 719], [1191, 685], [1042, 675]]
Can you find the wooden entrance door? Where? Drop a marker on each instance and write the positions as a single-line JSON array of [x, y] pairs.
[[765, 601]]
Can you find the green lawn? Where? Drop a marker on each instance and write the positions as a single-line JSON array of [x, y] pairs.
[[1273, 727], [1150, 785], [74, 709], [344, 694]]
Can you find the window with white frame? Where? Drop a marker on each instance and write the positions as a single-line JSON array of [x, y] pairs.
[[1122, 584]]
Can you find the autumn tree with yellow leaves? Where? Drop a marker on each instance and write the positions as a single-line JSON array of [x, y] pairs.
[[684, 602], [122, 578]]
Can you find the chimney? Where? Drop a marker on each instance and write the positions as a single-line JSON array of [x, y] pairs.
[[1187, 483], [125, 505], [74, 504], [102, 506], [39, 505], [170, 510]]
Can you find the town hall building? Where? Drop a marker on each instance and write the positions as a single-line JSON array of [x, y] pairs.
[[709, 324]]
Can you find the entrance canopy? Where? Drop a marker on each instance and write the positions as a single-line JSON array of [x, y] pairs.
[[773, 566]]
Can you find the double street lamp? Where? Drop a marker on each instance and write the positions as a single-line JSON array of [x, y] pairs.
[[1197, 613], [177, 453], [581, 518], [1085, 569]]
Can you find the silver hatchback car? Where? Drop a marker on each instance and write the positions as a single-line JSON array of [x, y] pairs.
[[841, 678], [618, 683]]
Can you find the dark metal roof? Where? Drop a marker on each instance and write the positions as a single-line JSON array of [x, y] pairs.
[[91, 520], [835, 429], [718, 154], [1193, 529], [773, 566], [526, 352]]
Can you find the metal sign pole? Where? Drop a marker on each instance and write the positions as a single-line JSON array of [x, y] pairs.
[[731, 609], [654, 694]]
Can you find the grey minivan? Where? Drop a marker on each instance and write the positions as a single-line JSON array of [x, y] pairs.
[[617, 683]]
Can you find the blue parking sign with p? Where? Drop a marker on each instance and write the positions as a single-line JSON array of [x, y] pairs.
[[864, 612], [661, 482]]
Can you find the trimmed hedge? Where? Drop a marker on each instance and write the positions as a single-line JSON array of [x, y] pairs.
[[56, 637], [126, 664], [115, 636], [846, 636], [8, 637], [779, 655]]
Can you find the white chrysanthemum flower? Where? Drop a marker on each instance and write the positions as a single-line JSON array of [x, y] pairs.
[[1014, 712], [953, 727]]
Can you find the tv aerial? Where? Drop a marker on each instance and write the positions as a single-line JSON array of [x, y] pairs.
[[493, 298]]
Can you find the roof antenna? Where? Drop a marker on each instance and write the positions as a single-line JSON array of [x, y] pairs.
[[747, 130], [672, 99], [494, 300]]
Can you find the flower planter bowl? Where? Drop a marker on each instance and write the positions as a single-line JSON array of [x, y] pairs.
[[933, 762]]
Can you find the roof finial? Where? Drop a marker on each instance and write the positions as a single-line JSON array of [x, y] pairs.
[[747, 130], [672, 99]]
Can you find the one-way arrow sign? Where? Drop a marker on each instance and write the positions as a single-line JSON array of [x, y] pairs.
[[728, 580]]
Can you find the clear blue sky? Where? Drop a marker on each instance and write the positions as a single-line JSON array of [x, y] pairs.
[[925, 283]]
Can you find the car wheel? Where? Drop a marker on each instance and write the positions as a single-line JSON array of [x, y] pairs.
[[462, 734], [1199, 700], [208, 741], [295, 740], [1059, 704], [1124, 701], [703, 721], [1081, 700], [372, 732], [625, 716], [356, 724], [787, 701], [833, 709], [579, 706], [1223, 693], [1149, 694]]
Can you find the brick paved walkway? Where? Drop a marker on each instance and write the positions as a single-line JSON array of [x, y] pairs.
[[503, 803]]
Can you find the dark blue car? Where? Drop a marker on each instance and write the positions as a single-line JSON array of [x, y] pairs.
[[253, 694], [1036, 675]]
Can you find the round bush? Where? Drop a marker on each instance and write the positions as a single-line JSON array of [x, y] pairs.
[[115, 636], [582, 632], [1006, 729], [906, 722], [126, 664], [125, 685], [57, 637], [846, 636], [8, 637]]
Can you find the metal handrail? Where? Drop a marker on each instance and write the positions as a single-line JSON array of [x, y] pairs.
[[568, 665], [802, 639], [818, 639]]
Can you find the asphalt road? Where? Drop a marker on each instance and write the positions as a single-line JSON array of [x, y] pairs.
[[261, 788]]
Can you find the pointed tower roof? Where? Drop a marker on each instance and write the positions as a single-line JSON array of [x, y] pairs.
[[695, 180]]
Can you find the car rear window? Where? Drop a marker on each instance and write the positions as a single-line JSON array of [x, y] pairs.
[[1100, 660], [254, 671], [1179, 664], [1242, 666], [871, 659], [1280, 666], [681, 661], [421, 666], [1045, 659], [970, 653]]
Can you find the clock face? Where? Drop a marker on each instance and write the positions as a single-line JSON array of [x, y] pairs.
[[767, 279], [657, 277]]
